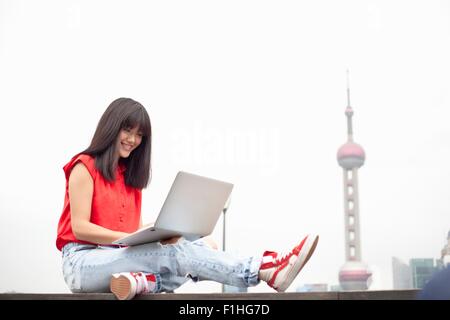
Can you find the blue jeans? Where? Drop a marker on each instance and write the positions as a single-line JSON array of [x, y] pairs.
[[88, 268]]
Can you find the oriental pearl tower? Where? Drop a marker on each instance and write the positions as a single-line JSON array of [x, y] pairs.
[[354, 274]]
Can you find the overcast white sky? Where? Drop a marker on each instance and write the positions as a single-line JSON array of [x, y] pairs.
[[251, 92]]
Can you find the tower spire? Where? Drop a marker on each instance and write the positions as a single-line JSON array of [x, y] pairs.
[[349, 111], [348, 89]]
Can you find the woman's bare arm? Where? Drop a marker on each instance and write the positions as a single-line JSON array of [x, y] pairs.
[[81, 188]]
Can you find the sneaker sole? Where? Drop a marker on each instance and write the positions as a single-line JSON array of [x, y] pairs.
[[121, 287], [307, 250]]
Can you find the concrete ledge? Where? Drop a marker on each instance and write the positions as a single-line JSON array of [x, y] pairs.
[[346, 295]]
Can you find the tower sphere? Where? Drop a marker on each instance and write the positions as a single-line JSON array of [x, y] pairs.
[[351, 155], [355, 275], [349, 111]]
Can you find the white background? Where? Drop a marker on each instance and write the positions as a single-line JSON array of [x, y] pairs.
[[251, 92]]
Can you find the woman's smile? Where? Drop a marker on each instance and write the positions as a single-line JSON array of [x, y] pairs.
[[127, 147], [128, 140]]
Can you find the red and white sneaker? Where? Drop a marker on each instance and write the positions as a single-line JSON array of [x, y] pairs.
[[280, 270], [127, 285]]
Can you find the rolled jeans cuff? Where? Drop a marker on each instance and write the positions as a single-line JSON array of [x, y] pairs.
[[252, 273]]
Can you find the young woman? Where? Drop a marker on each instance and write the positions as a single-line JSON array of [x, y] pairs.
[[103, 203]]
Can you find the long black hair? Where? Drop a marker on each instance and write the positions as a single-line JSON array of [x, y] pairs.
[[123, 113]]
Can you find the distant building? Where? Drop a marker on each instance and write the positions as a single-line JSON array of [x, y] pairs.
[[419, 271], [445, 252], [415, 275], [335, 288], [233, 289], [422, 270], [402, 275], [313, 287]]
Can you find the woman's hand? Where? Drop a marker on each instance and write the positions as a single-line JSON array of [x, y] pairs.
[[172, 240]]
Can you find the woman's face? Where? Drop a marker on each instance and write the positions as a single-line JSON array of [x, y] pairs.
[[128, 140]]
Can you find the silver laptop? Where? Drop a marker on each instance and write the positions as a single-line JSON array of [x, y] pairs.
[[191, 210]]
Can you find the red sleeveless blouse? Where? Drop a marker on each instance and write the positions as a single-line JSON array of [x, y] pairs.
[[115, 205]]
